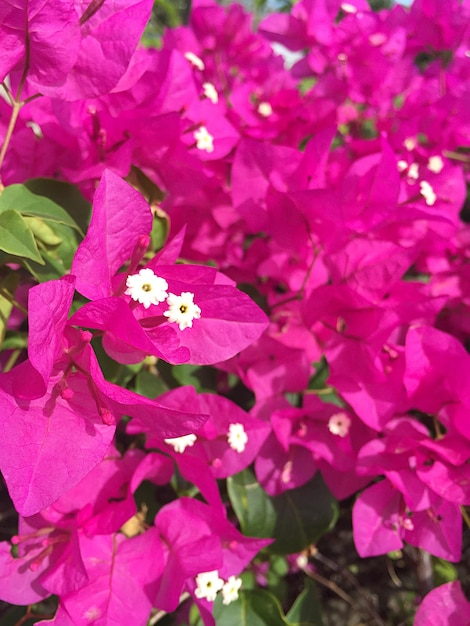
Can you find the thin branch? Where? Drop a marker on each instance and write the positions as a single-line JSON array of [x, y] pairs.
[[12, 300], [159, 615], [366, 603]]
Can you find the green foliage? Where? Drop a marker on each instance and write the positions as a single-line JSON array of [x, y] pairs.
[[306, 610], [296, 518], [37, 226], [16, 238], [254, 607]]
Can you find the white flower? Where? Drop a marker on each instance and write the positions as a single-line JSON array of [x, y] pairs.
[[230, 589], [427, 192], [339, 424], [210, 92], [179, 444], [348, 8], [146, 288], [413, 172], [204, 140], [265, 109], [182, 309], [435, 164], [195, 60], [237, 437], [410, 143], [208, 584]]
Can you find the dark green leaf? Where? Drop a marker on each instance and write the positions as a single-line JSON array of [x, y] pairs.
[[306, 610], [255, 607], [16, 238], [295, 519], [303, 515], [50, 269], [252, 505], [21, 199], [149, 385], [66, 196]]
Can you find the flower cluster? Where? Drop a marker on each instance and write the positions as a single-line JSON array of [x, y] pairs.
[[330, 183]]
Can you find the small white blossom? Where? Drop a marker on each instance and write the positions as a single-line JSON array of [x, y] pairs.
[[348, 8], [208, 584], [342, 56], [237, 437], [402, 165], [410, 143], [301, 561], [195, 60], [435, 164], [377, 39], [182, 309], [204, 140], [230, 589], [286, 474], [179, 444], [427, 192], [413, 172], [339, 424], [146, 288], [210, 92], [37, 130], [265, 109]]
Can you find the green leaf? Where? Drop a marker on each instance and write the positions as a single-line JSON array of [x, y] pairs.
[[444, 572], [255, 607], [306, 610], [21, 199], [252, 505], [50, 269], [296, 518], [149, 385], [303, 515], [43, 232], [202, 378], [16, 238], [65, 195], [8, 286]]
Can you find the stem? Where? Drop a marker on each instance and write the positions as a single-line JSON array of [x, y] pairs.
[[30, 615], [159, 615], [12, 360], [331, 586], [11, 299], [16, 103], [366, 602], [424, 572], [465, 516], [456, 156], [11, 125], [300, 293]]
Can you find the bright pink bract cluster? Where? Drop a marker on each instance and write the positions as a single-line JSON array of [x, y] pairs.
[[331, 182]]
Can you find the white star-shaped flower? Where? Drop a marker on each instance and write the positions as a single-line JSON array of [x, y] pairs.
[[182, 310], [208, 584], [339, 424], [146, 288], [179, 444], [230, 589], [204, 140], [237, 437], [265, 109]]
